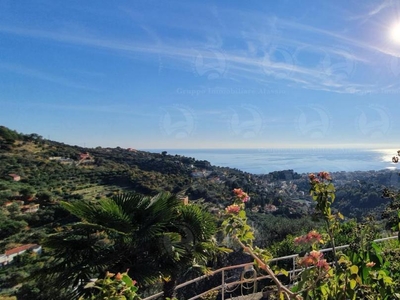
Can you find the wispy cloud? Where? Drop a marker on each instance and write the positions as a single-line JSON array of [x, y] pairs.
[[130, 110], [36, 74], [348, 40], [255, 61], [376, 9]]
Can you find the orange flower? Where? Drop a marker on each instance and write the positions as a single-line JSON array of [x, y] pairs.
[[325, 175], [241, 195], [322, 263], [233, 209], [314, 237], [316, 255], [306, 261], [238, 192], [315, 180], [310, 238], [118, 276], [109, 274], [246, 198], [370, 264], [298, 240]]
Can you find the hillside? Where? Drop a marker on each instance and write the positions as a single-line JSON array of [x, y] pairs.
[[49, 171], [36, 173]]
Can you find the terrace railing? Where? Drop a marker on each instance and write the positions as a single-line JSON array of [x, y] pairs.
[[249, 277]]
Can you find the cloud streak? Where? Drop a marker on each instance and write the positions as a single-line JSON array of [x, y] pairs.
[[258, 60], [39, 75]]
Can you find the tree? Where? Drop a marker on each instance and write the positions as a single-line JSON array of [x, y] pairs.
[[10, 226], [192, 239], [28, 192], [8, 135], [150, 236]]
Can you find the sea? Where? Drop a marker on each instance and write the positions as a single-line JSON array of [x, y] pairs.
[[263, 161]]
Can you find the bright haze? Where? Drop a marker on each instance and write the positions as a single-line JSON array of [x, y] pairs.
[[202, 74]]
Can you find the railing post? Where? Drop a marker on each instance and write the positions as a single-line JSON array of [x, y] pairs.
[[222, 270], [223, 285], [294, 269]]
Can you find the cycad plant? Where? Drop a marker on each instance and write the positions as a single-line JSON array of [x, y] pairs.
[[154, 237]]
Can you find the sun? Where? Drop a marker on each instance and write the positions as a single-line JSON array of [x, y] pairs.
[[395, 33]]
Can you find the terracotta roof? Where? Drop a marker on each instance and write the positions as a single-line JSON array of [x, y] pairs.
[[20, 248]]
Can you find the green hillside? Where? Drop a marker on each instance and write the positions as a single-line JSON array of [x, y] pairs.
[[36, 174]]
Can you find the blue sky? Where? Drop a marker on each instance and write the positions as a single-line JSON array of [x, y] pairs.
[[202, 74]]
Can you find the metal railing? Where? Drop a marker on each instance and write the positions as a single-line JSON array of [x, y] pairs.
[[224, 286]]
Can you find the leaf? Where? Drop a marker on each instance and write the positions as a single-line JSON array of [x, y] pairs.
[[333, 198], [281, 296], [324, 290], [353, 269], [353, 284], [248, 236], [284, 272], [89, 285], [378, 251], [295, 288], [342, 260], [128, 281], [387, 280]]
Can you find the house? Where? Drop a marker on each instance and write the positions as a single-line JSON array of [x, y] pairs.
[[83, 156], [57, 158], [3, 260], [9, 255], [15, 177], [66, 161], [62, 160], [270, 208], [9, 203], [203, 173], [216, 180], [185, 200], [32, 208]]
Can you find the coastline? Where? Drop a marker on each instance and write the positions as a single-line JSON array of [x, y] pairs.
[[301, 160]]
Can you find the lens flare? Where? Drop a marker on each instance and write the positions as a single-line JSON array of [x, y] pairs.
[[395, 33]]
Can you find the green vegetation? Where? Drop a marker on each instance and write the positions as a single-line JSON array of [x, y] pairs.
[[153, 237], [362, 272], [83, 222]]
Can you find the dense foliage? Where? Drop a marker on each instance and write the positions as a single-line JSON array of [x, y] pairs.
[[361, 272], [51, 173]]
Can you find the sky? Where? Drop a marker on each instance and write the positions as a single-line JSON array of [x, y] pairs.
[[202, 74]]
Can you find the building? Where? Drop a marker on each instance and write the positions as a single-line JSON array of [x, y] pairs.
[[31, 208], [184, 199], [270, 208], [202, 173], [10, 254], [15, 177]]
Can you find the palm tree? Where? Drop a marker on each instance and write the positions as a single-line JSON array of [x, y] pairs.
[[153, 237], [191, 239]]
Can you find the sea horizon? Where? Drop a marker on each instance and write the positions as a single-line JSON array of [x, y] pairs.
[[300, 160]]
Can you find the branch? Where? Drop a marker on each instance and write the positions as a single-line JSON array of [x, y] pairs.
[[271, 273]]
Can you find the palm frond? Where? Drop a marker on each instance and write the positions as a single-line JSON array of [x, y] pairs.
[[149, 235]]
